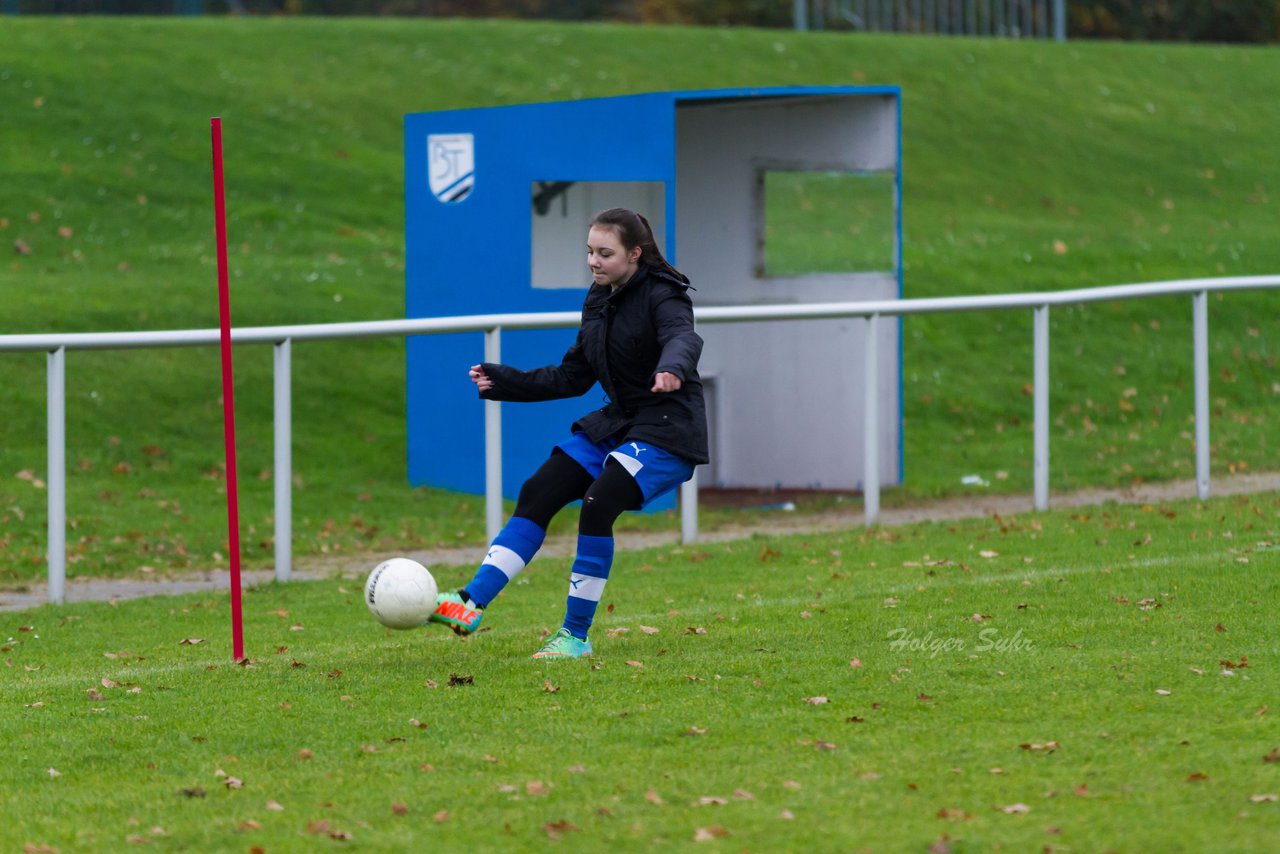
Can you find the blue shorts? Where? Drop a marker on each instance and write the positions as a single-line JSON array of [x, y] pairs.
[[656, 471]]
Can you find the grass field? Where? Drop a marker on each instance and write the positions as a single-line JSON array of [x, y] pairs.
[[1028, 166], [1100, 679]]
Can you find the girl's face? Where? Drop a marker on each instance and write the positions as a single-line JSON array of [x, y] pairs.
[[609, 262]]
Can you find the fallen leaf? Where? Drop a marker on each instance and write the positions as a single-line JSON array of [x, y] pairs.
[[303, 754], [941, 845], [1197, 777], [1011, 809], [631, 663], [649, 630], [537, 789], [399, 809], [1273, 756], [441, 817], [275, 806], [556, 829], [190, 641], [693, 730], [53, 772], [787, 815], [460, 679], [707, 834], [695, 630], [653, 797], [953, 814], [1264, 799], [233, 783], [816, 701], [1047, 747], [855, 662], [548, 687]]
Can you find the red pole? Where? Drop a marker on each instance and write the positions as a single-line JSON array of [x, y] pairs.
[[228, 397]]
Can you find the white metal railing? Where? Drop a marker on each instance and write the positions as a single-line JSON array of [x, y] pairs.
[[492, 325]]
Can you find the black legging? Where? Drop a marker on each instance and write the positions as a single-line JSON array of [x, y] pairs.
[[561, 480]]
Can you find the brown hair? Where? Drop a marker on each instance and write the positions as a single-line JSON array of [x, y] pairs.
[[634, 230]]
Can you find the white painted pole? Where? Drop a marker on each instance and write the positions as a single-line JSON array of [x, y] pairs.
[[689, 509], [284, 459], [871, 427], [492, 443], [1040, 383], [1200, 337], [57, 475]]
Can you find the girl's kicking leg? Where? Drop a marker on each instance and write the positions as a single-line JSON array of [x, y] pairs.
[[559, 481]]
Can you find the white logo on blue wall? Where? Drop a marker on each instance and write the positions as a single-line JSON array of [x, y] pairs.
[[451, 165]]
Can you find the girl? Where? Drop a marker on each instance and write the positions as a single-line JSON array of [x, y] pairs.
[[637, 340]]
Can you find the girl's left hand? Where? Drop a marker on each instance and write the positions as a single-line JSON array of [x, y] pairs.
[[665, 382]]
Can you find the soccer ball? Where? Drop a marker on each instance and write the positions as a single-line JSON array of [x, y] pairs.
[[400, 593]]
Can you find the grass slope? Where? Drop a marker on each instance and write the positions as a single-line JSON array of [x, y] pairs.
[[1028, 166], [1092, 680]]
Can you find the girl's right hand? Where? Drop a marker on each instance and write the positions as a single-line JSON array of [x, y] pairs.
[[480, 378]]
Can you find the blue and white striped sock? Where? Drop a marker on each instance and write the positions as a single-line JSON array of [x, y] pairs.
[[512, 549], [586, 582]]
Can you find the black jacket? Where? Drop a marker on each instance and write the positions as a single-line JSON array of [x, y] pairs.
[[626, 337]]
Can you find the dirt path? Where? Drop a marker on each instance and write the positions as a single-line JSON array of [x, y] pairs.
[[768, 522]]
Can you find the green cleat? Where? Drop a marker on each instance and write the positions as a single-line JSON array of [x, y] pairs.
[[454, 613], [564, 645]]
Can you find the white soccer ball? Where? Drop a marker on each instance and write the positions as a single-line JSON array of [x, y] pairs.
[[400, 593]]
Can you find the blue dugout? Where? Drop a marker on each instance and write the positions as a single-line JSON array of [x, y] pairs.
[[497, 201]]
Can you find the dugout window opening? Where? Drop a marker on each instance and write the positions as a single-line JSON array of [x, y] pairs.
[[825, 221], [559, 212]]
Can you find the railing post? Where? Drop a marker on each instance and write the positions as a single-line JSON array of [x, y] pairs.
[[1060, 20], [689, 509], [1040, 417], [870, 426], [800, 14], [284, 459], [492, 443], [57, 475], [1200, 347]]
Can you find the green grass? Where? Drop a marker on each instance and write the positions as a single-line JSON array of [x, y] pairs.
[[1134, 645], [1028, 166]]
